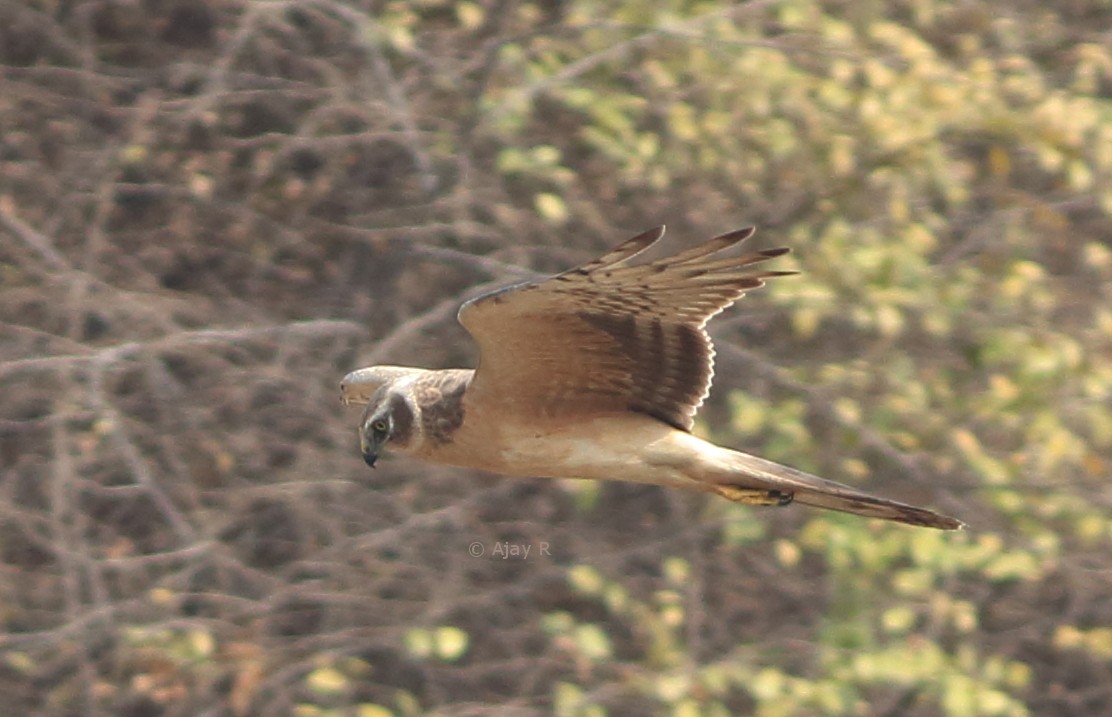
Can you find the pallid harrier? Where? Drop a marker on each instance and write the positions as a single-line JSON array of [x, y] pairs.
[[597, 373]]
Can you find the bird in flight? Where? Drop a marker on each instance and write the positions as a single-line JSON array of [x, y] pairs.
[[597, 373]]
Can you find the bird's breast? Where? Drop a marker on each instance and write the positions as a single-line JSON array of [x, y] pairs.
[[605, 446]]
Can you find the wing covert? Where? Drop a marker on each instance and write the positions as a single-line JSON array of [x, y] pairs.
[[609, 337]]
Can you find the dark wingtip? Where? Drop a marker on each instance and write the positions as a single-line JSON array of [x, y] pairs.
[[649, 236], [624, 251], [929, 519], [778, 251], [735, 237]]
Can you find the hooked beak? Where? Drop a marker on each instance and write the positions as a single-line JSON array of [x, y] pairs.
[[370, 453]]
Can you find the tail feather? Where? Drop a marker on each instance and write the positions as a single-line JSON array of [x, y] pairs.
[[876, 507], [757, 474]]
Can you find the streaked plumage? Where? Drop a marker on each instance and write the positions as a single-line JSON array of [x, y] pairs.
[[597, 373]]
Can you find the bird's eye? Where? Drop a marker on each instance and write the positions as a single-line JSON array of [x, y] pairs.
[[379, 426]]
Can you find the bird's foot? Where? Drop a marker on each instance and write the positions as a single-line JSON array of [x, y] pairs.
[[754, 496]]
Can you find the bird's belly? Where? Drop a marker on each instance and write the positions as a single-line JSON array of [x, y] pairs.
[[604, 447]]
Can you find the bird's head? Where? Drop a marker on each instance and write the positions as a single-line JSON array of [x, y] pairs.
[[390, 408], [388, 418]]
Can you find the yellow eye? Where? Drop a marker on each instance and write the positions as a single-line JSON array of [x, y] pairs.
[[379, 426]]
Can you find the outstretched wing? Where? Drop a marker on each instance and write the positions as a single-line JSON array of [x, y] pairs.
[[608, 337]]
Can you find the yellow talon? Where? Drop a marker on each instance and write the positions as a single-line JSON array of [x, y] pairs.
[[753, 496]]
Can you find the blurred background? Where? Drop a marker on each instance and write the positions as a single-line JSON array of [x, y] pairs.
[[210, 210]]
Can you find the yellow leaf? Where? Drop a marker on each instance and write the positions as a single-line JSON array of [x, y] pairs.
[[1099, 641], [1096, 254], [848, 410], [805, 321], [201, 643], [1003, 387], [898, 620], [767, 685], [788, 553], [1014, 565], [920, 238], [419, 642], [677, 571], [20, 661], [1067, 637], [999, 162], [889, 320], [551, 207], [1091, 528], [327, 681], [592, 642], [566, 699], [368, 710], [546, 154], [687, 708], [855, 467], [161, 596], [842, 158], [994, 702], [451, 642], [400, 37], [469, 14], [585, 579], [966, 442], [672, 688], [682, 122], [134, 154]]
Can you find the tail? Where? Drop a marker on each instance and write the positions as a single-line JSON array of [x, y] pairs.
[[755, 480]]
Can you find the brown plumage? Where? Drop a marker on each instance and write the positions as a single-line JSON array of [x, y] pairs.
[[597, 373]]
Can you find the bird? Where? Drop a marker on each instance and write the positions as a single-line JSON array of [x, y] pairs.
[[597, 373]]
